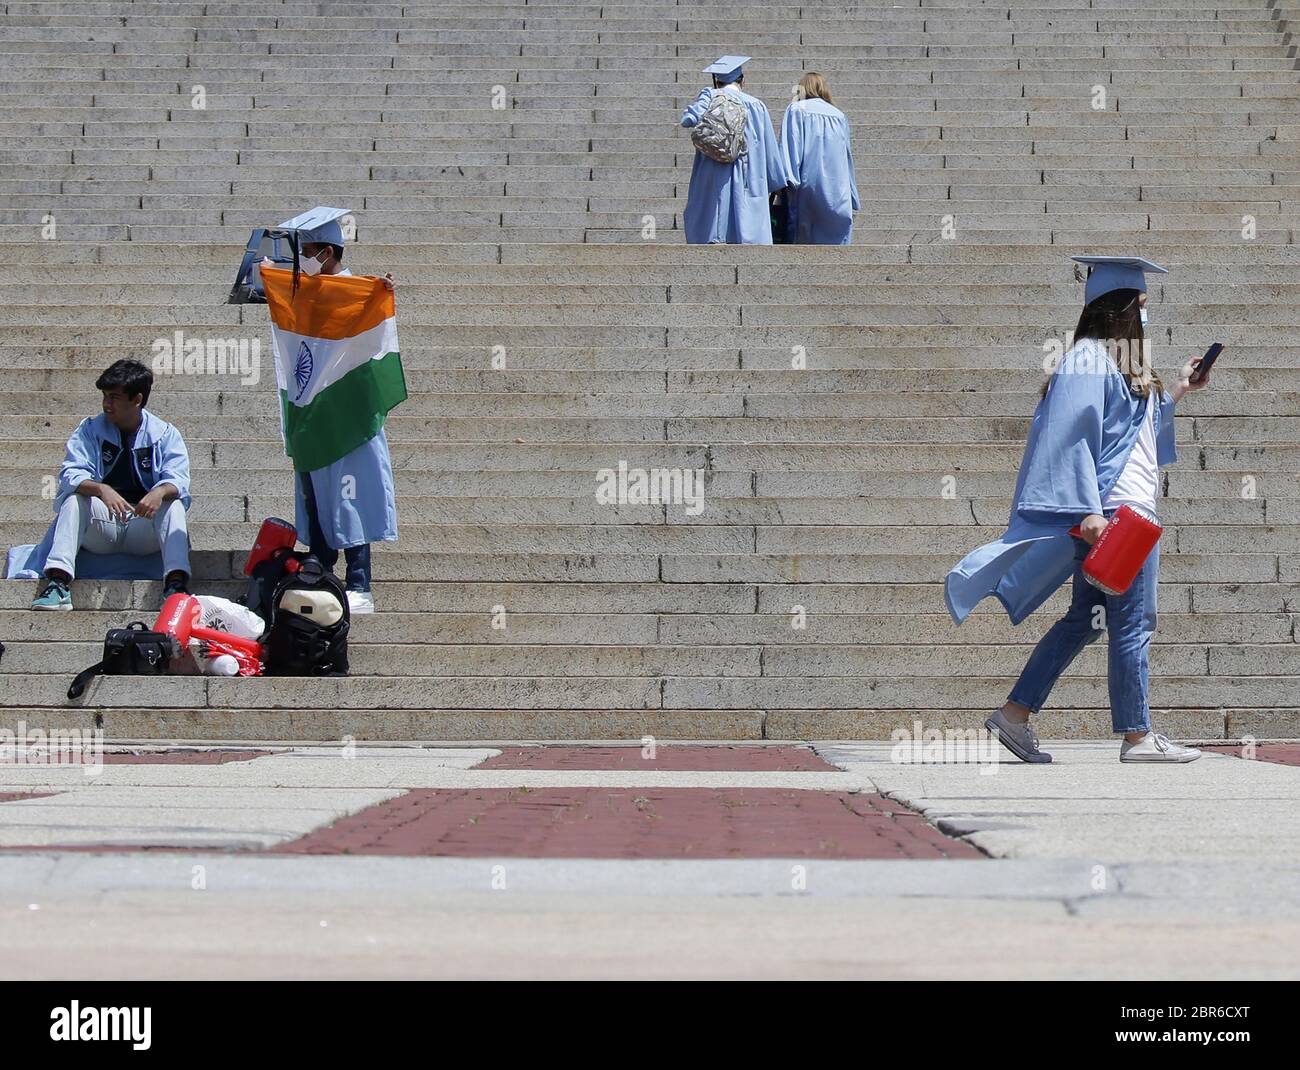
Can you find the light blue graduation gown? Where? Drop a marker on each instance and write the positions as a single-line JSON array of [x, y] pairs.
[[166, 461], [1082, 433], [728, 202], [355, 499], [819, 161]]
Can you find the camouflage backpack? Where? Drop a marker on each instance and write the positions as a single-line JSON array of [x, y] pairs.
[[720, 133]]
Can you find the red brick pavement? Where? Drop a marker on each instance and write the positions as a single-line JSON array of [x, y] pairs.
[[176, 756], [667, 759], [634, 823], [1279, 753], [183, 757]]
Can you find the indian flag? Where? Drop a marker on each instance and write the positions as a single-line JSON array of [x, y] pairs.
[[336, 362]]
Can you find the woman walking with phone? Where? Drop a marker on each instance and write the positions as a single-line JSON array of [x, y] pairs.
[[1101, 432]]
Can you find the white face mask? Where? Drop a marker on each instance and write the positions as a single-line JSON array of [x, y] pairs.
[[309, 265]]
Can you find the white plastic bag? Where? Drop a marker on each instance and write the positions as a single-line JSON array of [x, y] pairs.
[[224, 615]]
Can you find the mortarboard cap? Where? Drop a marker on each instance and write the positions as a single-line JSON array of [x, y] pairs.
[[321, 225], [1107, 273], [727, 68]]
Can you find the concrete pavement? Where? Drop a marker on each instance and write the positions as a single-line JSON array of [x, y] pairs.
[[1094, 870]]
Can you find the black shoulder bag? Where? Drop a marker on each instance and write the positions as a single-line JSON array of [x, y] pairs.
[[130, 651]]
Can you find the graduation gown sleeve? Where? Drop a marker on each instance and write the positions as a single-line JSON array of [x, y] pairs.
[[792, 147], [1059, 477], [778, 175], [853, 181], [692, 112]]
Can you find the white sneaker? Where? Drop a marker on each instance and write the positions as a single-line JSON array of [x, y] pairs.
[[360, 602], [1153, 747]]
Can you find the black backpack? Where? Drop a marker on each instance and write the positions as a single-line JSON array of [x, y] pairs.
[[294, 644], [133, 650]]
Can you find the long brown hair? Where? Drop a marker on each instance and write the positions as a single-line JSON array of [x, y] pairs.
[[812, 85], [1115, 321]]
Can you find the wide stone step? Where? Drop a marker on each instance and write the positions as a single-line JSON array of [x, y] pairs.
[[1189, 489], [952, 396], [1029, 260], [711, 510], [594, 693], [319, 724], [427, 659], [739, 457]]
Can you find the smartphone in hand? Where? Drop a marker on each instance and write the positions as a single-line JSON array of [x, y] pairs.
[[1207, 362]]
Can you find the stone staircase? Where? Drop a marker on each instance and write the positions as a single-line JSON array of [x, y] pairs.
[[519, 168]]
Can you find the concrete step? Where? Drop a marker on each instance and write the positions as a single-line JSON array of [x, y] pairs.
[[41, 658], [595, 693]]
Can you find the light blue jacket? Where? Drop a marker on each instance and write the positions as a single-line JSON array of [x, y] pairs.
[[158, 455], [1082, 433], [728, 202]]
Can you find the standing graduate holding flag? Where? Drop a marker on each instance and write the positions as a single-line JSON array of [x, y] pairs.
[[338, 368], [1100, 434], [728, 202]]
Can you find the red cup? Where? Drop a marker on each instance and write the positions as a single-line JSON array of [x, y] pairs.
[[1120, 551]]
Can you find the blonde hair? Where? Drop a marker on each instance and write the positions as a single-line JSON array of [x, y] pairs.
[[811, 85]]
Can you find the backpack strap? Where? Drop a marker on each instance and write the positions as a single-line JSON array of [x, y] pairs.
[[84, 677]]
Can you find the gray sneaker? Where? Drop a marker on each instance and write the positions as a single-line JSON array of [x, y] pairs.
[[1019, 739], [1154, 747]]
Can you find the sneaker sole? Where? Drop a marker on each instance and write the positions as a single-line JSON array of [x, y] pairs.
[[1025, 756], [1158, 760], [51, 609]]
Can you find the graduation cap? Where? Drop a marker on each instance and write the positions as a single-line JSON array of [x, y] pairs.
[[727, 68], [320, 226], [1107, 273]]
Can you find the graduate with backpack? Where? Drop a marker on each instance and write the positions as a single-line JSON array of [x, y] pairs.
[[738, 163]]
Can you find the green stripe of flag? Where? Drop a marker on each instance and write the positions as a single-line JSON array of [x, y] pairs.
[[343, 415]]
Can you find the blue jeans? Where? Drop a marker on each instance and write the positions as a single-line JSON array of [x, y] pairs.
[[1125, 620], [357, 557]]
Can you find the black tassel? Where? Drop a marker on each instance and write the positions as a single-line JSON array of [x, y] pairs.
[[293, 243]]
